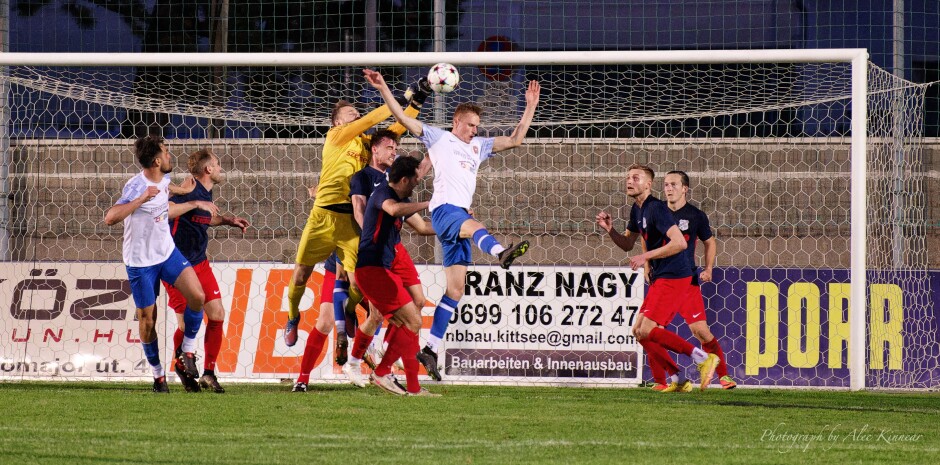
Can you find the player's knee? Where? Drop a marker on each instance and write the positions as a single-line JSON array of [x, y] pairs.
[[375, 316], [455, 293]]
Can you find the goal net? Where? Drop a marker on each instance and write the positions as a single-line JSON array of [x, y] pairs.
[[766, 140]]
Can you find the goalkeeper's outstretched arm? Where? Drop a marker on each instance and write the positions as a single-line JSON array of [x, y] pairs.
[[376, 80]]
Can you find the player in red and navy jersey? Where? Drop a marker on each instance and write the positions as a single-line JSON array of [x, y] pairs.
[[670, 275], [382, 281], [194, 213], [694, 225]]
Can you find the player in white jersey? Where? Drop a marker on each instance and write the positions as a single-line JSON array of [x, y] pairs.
[[456, 157], [150, 254]]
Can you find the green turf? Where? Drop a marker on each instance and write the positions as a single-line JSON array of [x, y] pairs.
[[76, 423]]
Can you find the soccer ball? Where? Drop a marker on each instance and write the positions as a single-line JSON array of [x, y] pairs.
[[443, 77]]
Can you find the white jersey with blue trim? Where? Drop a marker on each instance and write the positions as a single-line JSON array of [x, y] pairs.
[[147, 238], [455, 165]]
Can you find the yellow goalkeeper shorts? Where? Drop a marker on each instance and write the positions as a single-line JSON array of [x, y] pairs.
[[325, 232]]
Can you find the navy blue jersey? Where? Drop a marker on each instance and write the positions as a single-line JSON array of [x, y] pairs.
[[652, 221], [366, 181], [381, 232], [191, 229], [693, 223]]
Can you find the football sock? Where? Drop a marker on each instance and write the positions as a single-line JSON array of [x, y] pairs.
[[177, 341], [659, 375], [409, 351], [360, 344], [192, 321], [213, 342], [311, 353], [294, 294], [445, 309], [487, 243], [671, 341], [654, 354], [152, 352], [713, 347], [340, 295]]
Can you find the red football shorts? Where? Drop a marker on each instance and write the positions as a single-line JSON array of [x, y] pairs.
[[693, 309], [210, 287], [404, 267], [664, 299], [326, 290], [383, 288]]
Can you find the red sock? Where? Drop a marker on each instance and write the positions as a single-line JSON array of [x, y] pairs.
[[655, 356], [671, 341], [213, 340], [177, 339], [392, 353], [406, 342], [659, 375], [388, 333], [713, 347], [312, 350], [668, 364], [361, 343]]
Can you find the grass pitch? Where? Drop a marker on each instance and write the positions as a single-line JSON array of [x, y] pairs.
[[77, 423]]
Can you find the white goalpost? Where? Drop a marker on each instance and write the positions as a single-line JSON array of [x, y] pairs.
[[791, 153]]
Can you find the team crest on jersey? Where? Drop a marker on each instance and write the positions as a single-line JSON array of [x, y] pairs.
[[644, 223], [683, 225]]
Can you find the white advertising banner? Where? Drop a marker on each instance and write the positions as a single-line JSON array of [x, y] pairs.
[[527, 325]]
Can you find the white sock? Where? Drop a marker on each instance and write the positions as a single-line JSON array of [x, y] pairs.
[[157, 371], [434, 342], [341, 326], [699, 355], [188, 345]]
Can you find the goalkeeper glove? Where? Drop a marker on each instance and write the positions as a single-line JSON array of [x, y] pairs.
[[418, 92]]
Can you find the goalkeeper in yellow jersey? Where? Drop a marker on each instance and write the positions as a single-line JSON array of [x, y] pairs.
[[331, 226]]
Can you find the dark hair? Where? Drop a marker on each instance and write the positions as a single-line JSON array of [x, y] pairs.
[[198, 160], [147, 148], [682, 175], [403, 167], [336, 108], [383, 134], [647, 169], [468, 107]]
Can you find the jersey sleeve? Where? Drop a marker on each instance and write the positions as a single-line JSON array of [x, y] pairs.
[[632, 225], [704, 232], [486, 147], [430, 135], [132, 190], [357, 185]]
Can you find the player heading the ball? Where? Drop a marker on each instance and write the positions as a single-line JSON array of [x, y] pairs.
[[456, 157]]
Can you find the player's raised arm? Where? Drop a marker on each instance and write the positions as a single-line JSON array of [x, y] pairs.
[[515, 139], [625, 241], [376, 80]]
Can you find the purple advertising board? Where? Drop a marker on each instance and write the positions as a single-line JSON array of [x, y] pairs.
[[789, 327]]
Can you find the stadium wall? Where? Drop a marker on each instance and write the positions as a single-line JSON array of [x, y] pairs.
[[771, 201]]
